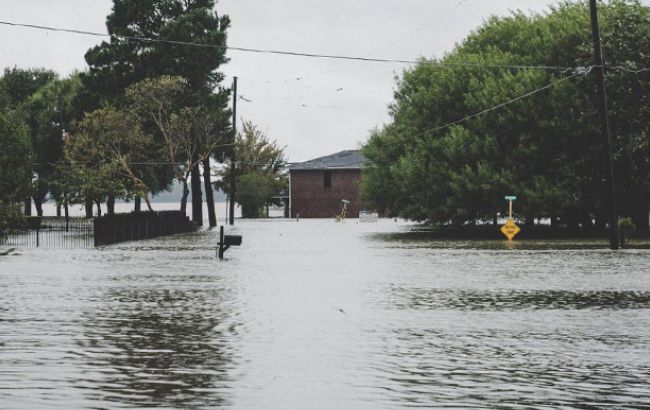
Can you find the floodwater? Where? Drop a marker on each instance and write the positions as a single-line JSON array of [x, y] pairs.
[[319, 314]]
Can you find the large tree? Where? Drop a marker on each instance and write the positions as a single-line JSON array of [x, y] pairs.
[[50, 110], [17, 86], [546, 147], [151, 39], [186, 135]]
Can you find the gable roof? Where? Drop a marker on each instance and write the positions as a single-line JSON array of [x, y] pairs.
[[349, 159]]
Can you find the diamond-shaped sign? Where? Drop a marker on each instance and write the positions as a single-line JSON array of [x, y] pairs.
[[510, 229]]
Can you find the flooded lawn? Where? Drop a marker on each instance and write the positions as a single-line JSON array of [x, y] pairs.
[[319, 314]]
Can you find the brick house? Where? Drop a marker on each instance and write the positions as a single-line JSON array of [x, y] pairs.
[[318, 187]]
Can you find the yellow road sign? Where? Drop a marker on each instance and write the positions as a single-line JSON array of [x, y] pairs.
[[510, 229]]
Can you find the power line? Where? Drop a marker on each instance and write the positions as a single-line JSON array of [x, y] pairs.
[[496, 107], [627, 69], [282, 103], [285, 52], [159, 163]]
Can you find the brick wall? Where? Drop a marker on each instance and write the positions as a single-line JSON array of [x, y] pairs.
[[311, 199]]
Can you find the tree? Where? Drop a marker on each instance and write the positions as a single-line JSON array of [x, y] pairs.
[[104, 154], [16, 87], [545, 148], [49, 110], [15, 163], [185, 135], [18, 84], [259, 171], [122, 62]]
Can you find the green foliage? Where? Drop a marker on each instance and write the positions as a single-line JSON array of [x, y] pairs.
[[258, 169], [546, 148], [9, 217], [15, 157], [49, 110], [184, 135], [101, 156], [17, 84], [115, 65], [255, 190], [46, 103], [15, 162]]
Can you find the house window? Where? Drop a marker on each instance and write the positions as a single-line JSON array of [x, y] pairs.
[[327, 179]]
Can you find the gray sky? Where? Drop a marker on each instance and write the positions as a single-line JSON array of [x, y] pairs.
[[313, 106]]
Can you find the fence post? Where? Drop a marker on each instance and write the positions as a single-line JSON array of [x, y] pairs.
[[95, 232]]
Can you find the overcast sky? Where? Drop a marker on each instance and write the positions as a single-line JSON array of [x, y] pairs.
[[313, 107]]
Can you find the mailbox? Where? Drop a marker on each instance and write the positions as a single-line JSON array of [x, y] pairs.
[[226, 241], [232, 240]]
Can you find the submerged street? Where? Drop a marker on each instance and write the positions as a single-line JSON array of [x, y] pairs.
[[319, 314]]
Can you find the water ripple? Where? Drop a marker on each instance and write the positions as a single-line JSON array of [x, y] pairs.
[[479, 299]]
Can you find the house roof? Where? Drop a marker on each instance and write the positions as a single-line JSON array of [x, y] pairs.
[[350, 159]]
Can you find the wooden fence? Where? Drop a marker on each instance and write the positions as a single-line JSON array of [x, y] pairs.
[[135, 226]]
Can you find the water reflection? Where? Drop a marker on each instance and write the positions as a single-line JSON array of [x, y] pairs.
[[148, 346], [480, 299]]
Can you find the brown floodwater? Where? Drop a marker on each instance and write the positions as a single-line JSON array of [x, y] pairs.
[[319, 314]]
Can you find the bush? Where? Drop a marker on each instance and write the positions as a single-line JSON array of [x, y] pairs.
[[10, 216]]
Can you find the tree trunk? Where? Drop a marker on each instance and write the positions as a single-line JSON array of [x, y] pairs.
[[495, 220], [39, 197], [148, 202], [28, 206], [99, 207], [186, 193], [209, 195], [89, 208], [137, 204], [38, 204], [110, 205], [67, 211], [197, 197], [58, 209]]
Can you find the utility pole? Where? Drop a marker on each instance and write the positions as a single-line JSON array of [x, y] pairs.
[[233, 176], [604, 117], [59, 108]]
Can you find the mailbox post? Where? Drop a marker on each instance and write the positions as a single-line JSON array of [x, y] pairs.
[[226, 241]]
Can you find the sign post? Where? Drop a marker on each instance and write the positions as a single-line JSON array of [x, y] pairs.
[[510, 229]]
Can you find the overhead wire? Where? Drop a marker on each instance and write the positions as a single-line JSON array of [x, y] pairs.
[[285, 52], [498, 106], [577, 71], [412, 136]]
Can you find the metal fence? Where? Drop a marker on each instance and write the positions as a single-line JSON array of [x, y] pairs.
[[52, 232], [60, 232], [136, 226]]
